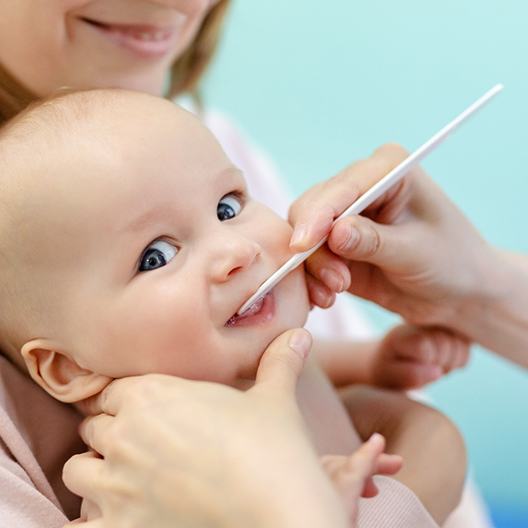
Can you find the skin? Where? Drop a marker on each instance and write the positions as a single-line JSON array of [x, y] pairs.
[[105, 318], [65, 50]]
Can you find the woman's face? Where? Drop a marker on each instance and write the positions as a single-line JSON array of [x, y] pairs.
[[49, 44]]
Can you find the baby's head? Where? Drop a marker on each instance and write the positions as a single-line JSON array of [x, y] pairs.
[[127, 244]]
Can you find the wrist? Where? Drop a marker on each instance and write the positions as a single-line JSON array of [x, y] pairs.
[[496, 316]]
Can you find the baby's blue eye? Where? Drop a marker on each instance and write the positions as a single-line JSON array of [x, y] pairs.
[[157, 255], [228, 207]]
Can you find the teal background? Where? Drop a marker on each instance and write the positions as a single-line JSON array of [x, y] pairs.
[[320, 84]]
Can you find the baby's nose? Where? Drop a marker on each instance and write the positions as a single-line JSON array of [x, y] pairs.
[[232, 255]]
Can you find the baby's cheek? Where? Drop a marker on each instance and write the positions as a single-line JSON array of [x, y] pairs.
[[278, 236]]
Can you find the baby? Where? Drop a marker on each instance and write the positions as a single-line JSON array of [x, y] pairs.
[[128, 242]]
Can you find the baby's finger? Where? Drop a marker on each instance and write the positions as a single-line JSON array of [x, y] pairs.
[[446, 347], [410, 375], [388, 464], [318, 293], [329, 269], [369, 489], [463, 354], [78, 523], [413, 344], [332, 464]]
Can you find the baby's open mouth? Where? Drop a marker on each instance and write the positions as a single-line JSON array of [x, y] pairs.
[[259, 312]]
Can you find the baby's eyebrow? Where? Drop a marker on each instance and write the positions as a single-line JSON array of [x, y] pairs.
[[141, 222]]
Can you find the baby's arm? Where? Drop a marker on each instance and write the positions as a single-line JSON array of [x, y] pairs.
[[433, 451], [408, 357]]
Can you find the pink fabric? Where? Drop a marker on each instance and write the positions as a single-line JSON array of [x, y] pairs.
[[37, 435]]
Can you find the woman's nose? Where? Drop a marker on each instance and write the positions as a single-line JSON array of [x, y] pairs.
[[230, 255]]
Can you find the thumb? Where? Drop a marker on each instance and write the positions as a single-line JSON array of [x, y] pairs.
[[361, 239], [283, 360]]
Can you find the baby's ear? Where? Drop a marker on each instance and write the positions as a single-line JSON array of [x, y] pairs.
[[58, 374]]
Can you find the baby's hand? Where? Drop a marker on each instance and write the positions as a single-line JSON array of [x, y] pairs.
[[409, 357], [352, 475]]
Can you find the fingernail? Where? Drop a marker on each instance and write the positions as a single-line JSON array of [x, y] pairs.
[[376, 438], [301, 342], [321, 296], [299, 234], [333, 279], [349, 236]]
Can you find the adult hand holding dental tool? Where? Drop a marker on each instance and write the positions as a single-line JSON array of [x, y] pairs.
[[166, 451], [413, 252]]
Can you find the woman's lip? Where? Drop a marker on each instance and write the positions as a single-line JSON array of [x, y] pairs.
[[144, 40], [264, 314]]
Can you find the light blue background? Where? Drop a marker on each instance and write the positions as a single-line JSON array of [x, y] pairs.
[[320, 84]]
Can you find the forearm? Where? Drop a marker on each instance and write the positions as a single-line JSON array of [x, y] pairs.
[[497, 317], [345, 361]]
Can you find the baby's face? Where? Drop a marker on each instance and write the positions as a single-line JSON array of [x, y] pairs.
[[145, 241]]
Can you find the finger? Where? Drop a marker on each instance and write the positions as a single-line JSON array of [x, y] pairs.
[[414, 344], [410, 375], [90, 510], [453, 352], [112, 398], [388, 464], [332, 464], [359, 238], [94, 432], [355, 479], [444, 349], [312, 225], [333, 196], [369, 489], [318, 293], [464, 354], [329, 269], [96, 523], [81, 475], [283, 360]]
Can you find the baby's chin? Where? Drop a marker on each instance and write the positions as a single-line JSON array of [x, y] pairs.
[[248, 374]]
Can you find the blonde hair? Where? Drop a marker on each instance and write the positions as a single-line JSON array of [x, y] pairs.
[[186, 72]]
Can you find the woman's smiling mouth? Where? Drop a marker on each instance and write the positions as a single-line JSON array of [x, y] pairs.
[[259, 313], [144, 40]]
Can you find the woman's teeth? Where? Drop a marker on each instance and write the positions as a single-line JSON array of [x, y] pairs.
[[146, 36], [138, 32]]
